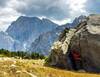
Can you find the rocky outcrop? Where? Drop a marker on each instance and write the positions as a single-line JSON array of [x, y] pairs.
[[85, 39], [60, 48]]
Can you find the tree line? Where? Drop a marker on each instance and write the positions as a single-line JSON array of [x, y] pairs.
[[21, 54]]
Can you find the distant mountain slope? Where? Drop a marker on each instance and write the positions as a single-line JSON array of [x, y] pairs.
[[24, 27], [43, 43], [6, 42], [27, 29]]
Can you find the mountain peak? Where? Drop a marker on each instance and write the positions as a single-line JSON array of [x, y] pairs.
[[25, 18], [45, 19], [29, 28]]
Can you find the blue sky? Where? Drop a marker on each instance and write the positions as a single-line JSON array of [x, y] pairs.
[[59, 11]]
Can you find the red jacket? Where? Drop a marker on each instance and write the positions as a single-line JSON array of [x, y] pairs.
[[76, 55]]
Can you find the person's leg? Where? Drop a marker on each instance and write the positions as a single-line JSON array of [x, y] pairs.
[[78, 65]]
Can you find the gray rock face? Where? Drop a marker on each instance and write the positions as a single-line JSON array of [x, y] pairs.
[[8, 43], [86, 41], [59, 49]]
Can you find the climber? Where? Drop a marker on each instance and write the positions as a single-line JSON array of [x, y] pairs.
[[76, 55], [76, 59]]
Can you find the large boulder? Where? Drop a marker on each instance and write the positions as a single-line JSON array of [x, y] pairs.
[[85, 41]]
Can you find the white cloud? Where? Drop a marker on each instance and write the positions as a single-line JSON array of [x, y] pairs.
[[62, 22], [77, 7], [59, 11], [7, 15]]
